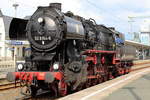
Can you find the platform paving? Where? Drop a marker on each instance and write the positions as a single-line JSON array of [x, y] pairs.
[[136, 90]]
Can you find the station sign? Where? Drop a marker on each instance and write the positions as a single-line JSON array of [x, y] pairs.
[[16, 43], [13, 42]]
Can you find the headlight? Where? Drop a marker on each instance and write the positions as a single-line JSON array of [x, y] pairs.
[[40, 20], [20, 67], [56, 66]]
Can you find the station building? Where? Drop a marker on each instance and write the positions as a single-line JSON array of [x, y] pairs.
[[10, 48]]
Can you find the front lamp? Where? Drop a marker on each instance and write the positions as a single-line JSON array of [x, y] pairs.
[[20, 67], [56, 66]]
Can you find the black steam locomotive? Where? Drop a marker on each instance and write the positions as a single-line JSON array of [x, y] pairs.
[[68, 52]]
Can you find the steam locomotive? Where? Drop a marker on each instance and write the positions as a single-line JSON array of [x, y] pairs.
[[68, 52]]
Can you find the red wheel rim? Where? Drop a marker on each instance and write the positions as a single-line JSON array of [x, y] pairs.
[[62, 88], [100, 80]]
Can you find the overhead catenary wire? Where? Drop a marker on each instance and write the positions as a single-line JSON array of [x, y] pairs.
[[115, 18], [103, 10]]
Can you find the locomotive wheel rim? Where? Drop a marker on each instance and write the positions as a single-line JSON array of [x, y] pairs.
[[62, 88], [119, 71], [88, 83], [105, 78], [95, 81], [111, 76], [100, 80]]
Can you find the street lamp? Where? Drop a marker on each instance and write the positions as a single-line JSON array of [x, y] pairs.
[[130, 22], [15, 5]]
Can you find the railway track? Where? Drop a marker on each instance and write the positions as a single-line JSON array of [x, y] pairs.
[[45, 95], [8, 85]]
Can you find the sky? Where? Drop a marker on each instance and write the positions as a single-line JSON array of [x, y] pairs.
[[112, 13]]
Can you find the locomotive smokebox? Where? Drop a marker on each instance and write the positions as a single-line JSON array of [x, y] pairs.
[[55, 5]]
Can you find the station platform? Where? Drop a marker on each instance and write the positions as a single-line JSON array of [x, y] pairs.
[[136, 90]]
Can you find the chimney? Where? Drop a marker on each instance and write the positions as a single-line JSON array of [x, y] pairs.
[[56, 6]]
